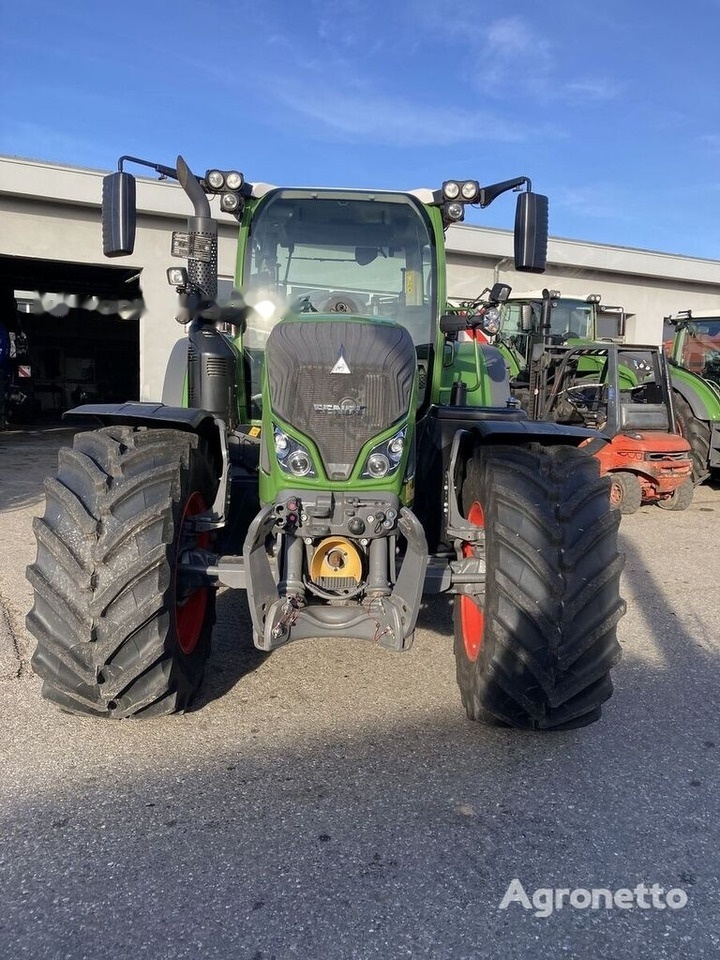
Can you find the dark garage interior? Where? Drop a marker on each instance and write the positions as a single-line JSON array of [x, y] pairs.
[[71, 335]]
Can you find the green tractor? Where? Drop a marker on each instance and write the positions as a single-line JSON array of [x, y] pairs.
[[694, 354], [327, 444], [623, 390], [572, 320]]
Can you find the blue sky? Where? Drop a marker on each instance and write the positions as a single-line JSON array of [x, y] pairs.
[[612, 109]]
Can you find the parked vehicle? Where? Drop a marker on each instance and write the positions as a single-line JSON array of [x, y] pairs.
[[695, 375], [620, 389], [327, 445]]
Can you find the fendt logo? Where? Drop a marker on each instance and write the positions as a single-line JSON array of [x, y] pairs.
[[348, 407]]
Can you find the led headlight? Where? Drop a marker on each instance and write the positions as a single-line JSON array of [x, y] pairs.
[[396, 447], [293, 457], [454, 211], [377, 465], [229, 202], [384, 459], [234, 180], [282, 444], [451, 189], [215, 179], [470, 190]]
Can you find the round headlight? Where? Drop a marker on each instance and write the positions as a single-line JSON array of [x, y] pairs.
[[229, 202], [470, 190], [215, 179], [378, 465], [395, 448], [299, 463], [455, 211], [451, 189], [234, 180]]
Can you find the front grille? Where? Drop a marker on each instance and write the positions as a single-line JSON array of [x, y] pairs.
[[340, 411], [682, 455]]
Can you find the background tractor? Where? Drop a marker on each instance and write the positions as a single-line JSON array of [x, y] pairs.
[[694, 355], [325, 443], [693, 351], [572, 319], [622, 390]]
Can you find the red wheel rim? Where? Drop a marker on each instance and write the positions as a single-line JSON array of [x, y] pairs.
[[472, 619], [616, 493], [190, 610]]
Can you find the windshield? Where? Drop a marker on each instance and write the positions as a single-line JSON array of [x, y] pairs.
[[569, 319], [572, 319], [700, 350], [343, 252]]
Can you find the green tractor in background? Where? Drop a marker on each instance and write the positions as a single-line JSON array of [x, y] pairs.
[[572, 320], [623, 390], [694, 355], [326, 443], [524, 323]]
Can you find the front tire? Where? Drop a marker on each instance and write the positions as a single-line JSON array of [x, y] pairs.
[[118, 632], [625, 492], [679, 499], [697, 433], [537, 652]]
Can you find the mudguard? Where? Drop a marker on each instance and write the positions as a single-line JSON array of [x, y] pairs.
[[699, 393], [505, 425], [158, 415]]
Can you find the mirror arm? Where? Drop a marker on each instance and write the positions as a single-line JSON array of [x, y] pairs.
[[164, 172], [493, 191]]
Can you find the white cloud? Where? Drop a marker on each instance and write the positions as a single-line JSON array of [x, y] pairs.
[[361, 115], [513, 35], [601, 201]]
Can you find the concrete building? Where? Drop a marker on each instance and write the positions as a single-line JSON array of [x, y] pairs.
[[87, 339]]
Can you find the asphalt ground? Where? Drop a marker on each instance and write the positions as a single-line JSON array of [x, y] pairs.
[[331, 800]]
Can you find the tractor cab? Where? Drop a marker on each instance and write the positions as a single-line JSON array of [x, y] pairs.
[[522, 321], [314, 253], [696, 344]]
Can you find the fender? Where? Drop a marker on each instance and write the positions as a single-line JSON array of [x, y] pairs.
[[503, 425], [157, 415], [457, 429], [703, 399]]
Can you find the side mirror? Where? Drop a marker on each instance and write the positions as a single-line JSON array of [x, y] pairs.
[[118, 214], [531, 232], [526, 317], [451, 323]]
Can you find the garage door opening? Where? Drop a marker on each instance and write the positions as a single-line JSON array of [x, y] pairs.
[[72, 334]]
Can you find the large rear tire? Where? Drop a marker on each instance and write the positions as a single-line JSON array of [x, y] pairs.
[[119, 633], [697, 433], [536, 650]]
